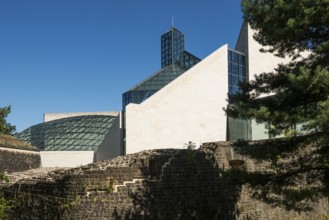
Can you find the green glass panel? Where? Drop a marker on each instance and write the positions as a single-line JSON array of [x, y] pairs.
[[152, 84], [79, 133]]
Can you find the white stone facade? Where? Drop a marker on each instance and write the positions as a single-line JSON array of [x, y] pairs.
[[66, 158], [190, 108]]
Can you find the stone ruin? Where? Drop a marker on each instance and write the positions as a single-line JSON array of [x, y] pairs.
[[153, 184]]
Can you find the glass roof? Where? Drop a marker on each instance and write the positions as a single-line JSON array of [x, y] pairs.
[[152, 84], [80, 133], [160, 78]]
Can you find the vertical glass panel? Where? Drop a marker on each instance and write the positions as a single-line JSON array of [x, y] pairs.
[[229, 67], [237, 129], [242, 71], [242, 60], [235, 80], [230, 90], [235, 90], [235, 68], [235, 58]]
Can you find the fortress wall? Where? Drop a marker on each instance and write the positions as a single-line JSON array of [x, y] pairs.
[[15, 160], [153, 184]]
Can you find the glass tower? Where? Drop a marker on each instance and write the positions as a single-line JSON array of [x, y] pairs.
[[174, 62], [187, 60], [172, 46]]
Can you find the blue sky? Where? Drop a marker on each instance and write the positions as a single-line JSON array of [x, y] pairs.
[[81, 55]]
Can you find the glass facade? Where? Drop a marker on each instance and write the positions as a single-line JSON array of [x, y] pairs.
[[174, 62], [80, 133], [237, 72], [172, 46], [187, 60], [173, 50], [151, 85], [238, 129]]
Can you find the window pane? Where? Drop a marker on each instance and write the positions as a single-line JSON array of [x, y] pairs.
[[229, 56], [235, 90], [235, 69], [230, 89], [242, 71], [235, 58], [242, 60], [235, 80]]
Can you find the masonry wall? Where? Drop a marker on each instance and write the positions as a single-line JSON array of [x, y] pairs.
[[15, 160], [149, 185], [157, 184], [247, 206]]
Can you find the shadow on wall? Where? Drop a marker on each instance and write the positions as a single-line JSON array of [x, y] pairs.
[[191, 187], [185, 184], [292, 172]]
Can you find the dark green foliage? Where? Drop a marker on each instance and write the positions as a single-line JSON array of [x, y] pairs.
[[290, 26], [297, 170], [302, 86], [300, 104], [5, 127], [5, 206], [4, 178], [190, 145]]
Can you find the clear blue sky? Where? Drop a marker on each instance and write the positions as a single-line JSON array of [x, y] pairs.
[[81, 55]]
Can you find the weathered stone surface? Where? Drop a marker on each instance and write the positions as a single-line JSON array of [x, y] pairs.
[[12, 142], [16, 155], [155, 184]]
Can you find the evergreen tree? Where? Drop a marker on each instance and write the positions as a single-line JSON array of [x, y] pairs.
[[288, 28], [5, 127]]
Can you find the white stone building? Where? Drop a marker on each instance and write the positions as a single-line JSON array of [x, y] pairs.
[[181, 102], [190, 108]]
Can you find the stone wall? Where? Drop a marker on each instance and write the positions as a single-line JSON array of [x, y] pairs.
[[156, 184], [14, 160], [247, 206], [16, 155]]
